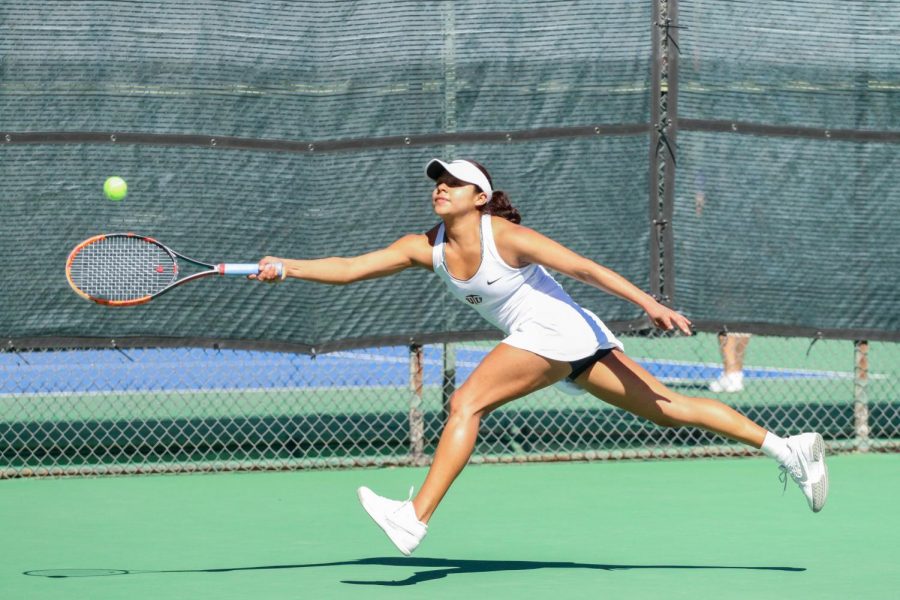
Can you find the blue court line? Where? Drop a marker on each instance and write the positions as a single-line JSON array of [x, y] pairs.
[[193, 369]]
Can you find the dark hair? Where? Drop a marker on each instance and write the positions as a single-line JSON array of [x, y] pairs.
[[499, 203]]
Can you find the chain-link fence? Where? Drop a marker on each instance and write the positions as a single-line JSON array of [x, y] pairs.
[[65, 412]]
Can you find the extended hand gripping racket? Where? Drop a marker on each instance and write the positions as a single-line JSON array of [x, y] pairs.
[[126, 269]]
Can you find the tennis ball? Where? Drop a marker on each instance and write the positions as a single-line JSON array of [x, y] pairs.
[[115, 188]]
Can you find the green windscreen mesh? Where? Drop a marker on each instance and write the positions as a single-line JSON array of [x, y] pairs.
[[787, 228], [240, 206], [788, 232], [809, 63], [323, 70], [308, 72], [797, 230]]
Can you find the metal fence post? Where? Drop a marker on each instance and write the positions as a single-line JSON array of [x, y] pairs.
[[416, 417], [861, 394], [656, 173], [664, 128], [669, 127], [450, 85], [449, 380]]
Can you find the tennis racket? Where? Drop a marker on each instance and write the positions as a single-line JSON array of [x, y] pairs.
[[126, 269]]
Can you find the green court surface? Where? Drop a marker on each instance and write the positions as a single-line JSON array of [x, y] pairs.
[[713, 528]]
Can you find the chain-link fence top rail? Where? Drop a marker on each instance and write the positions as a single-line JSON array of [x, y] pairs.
[[788, 229], [198, 80]]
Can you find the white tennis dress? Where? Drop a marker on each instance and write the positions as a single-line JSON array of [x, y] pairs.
[[527, 304]]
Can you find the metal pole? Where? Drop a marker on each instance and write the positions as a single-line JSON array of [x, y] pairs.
[[449, 383], [449, 60], [671, 133], [861, 394], [416, 417], [655, 180]]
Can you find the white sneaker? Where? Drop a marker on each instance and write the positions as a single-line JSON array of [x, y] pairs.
[[807, 468], [397, 519], [728, 383]]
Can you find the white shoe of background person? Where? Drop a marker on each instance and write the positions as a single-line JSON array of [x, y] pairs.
[[397, 519], [807, 468], [728, 383]]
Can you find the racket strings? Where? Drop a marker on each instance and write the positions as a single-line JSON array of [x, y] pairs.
[[121, 268]]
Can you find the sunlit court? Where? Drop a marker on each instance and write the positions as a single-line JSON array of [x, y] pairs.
[[360, 299]]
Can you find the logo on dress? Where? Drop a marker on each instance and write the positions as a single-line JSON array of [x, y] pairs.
[[473, 299]]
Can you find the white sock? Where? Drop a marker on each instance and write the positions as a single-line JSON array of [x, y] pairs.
[[776, 447]]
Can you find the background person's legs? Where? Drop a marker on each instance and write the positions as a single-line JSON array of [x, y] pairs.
[[733, 347]]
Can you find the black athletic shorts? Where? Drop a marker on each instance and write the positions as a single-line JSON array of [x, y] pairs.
[[581, 365]]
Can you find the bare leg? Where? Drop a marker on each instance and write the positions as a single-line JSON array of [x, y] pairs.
[[733, 347], [622, 382], [505, 374]]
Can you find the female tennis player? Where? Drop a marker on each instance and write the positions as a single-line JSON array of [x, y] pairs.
[[499, 268]]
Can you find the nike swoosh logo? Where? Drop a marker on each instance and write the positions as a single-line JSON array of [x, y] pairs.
[[494, 281], [804, 476]]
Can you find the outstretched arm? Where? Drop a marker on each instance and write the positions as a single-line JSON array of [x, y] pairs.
[[409, 251], [530, 246]]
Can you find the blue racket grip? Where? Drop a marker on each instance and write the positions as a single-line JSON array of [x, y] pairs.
[[243, 269]]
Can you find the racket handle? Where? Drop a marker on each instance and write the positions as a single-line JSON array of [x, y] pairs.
[[243, 269]]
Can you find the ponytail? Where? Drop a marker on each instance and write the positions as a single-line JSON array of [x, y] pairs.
[[499, 204]]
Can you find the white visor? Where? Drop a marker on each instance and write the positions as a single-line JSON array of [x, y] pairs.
[[462, 170]]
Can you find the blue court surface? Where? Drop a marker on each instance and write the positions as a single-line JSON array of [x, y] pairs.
[[195, 369]]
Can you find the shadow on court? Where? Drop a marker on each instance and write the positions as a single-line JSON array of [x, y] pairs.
[[438, 568]]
